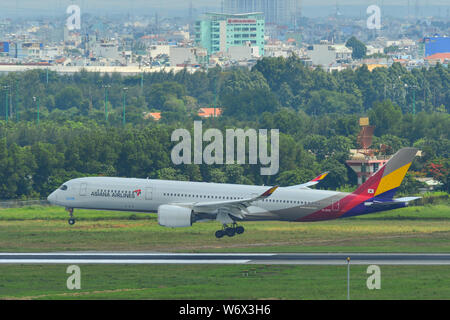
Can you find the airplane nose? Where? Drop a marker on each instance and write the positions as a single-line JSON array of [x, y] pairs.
[[52, 197]]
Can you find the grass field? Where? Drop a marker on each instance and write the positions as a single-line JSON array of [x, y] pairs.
[[33, 229], [222, 282], [413, 229]]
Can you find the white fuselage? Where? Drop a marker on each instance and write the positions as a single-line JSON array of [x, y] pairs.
[[146, 195]]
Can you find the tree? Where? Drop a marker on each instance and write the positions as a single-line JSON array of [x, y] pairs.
[[359, 48], [439, 169], [69, 97], [386, 117]]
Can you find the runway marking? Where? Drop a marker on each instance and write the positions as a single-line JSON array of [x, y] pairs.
[[224, 258], [130, 254], [113, 261]]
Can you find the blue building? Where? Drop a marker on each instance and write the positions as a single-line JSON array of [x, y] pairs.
[[4, 47], [436, 44]]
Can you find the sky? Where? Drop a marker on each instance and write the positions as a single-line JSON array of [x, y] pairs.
[[180, 7]]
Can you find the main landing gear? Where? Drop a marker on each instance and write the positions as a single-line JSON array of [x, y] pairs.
[[229, 231], [71, 219]]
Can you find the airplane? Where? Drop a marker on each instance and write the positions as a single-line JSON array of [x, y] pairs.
[[183, 203]]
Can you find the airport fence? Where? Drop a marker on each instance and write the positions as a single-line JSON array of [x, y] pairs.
[[5, 204]]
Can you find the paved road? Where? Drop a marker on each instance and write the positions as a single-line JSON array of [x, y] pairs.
[[223, 258]]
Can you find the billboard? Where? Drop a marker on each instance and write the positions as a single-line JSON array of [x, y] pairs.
[[4, 47]]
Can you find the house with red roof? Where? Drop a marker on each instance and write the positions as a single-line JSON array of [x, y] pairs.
[[153, 115], [443, 58], [209, 112]]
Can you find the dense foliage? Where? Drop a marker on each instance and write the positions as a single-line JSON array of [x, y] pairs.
[[316, 112]]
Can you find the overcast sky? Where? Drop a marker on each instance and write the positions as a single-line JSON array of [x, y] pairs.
[[180, 3], [54, 7]]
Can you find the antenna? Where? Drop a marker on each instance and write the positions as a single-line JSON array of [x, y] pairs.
[[190, 17], [408, 16], [417, 10]]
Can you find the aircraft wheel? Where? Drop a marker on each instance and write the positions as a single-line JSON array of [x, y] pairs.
[[71, 221], [230, 231], [219, 234], [240, 230]]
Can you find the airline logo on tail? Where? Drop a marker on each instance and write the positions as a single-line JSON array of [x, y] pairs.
[[379, 188], [387, 179]]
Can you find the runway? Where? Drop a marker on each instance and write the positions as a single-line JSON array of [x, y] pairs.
[[224, 258]]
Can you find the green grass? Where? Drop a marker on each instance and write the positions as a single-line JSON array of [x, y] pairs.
[[222, 282], [413, 229], [34, 229]]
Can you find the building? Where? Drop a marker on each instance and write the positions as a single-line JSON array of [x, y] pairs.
[[30, 50], [106, 49], [181, 56], [281, 12], [363, 161], [442, 58], [4, 47], [364, 165], [156, 116], [218, 32], [209, 112], [435, 45], [326, 54], [243, 53]]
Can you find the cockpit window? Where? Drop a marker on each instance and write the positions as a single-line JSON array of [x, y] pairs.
[[63, 187]]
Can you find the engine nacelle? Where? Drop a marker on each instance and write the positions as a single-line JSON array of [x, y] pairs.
[[174, 216]]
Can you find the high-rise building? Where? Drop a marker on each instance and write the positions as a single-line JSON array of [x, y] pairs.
[[217, 32], [281, 12]]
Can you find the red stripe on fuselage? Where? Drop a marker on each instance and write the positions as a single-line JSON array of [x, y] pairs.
[[335, 210]]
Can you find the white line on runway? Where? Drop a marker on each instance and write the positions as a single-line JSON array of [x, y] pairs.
[[112, 261], [132, 254]]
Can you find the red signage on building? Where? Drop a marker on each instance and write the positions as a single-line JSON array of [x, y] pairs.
[[241, 21]]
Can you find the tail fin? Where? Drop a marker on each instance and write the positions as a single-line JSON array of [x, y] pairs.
[[384, 183]]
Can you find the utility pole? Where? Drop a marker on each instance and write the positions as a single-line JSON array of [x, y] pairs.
[[124, 105], [414, 97], [36, 99], [6, 102], [106, 86], [10, 101], [17, 100], [348, 278]]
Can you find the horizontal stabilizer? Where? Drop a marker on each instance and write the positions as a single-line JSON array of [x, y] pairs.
[[391, 203], [407, 199]]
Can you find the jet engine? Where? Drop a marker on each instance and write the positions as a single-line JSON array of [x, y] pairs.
[[174, 216]]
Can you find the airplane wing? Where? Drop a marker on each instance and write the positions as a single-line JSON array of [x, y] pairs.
[[314, 181], [236, 207]]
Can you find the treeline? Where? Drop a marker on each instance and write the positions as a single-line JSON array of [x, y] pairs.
[[273, 83], [316, 112], [36, 159]]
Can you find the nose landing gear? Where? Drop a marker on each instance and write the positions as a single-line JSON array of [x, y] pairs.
[[229, 231], [71, 219]]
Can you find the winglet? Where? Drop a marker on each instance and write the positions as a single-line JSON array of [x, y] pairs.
[[269, 192], [320, 177], [310, 183]]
